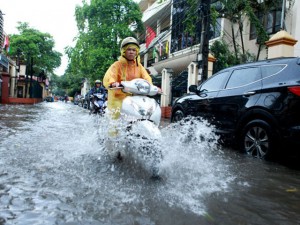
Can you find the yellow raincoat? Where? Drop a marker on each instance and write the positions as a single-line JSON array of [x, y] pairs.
[[122, 70]]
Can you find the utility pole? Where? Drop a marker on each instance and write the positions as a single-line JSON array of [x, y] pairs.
[[31, 74], [282, 26], [27, 71], [205, 5]]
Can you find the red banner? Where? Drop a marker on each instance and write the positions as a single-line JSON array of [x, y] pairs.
[[150, 35]]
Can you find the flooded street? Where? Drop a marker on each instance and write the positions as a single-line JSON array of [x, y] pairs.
[[54, 169]]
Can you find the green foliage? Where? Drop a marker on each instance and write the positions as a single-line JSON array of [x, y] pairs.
[[33, 43], [56, 84], [101, 24], [65, 84], [192, 17], [235, 12], [226, 58]]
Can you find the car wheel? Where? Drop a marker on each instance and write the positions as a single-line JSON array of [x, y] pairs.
[[257, 139], [178, 115]]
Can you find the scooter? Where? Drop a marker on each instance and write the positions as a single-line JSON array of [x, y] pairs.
[[142, 115], [98, 103]]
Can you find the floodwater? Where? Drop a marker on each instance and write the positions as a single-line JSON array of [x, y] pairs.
[[55, 168]]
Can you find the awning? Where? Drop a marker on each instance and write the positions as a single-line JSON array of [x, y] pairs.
[[152, 70], [177, 64]]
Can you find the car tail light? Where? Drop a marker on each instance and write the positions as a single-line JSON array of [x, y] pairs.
[[295, 90]]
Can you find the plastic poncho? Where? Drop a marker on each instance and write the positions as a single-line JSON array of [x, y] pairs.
[[122, 70]]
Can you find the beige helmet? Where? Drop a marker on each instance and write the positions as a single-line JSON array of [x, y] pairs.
[[98, 82], [129, 40]]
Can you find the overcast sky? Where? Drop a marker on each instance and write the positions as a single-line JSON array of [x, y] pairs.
[[55, 17]]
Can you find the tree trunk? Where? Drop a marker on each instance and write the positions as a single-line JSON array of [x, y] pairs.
[[241, 34], [233, 40]]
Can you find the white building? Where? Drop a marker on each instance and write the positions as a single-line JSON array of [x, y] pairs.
[[174, 49]]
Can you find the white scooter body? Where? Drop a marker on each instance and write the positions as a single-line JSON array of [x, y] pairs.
[[139, 106], [99, 103], [143, 114]]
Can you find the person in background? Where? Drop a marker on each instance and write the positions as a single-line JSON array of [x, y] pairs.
[[98, 88], [66, 98]]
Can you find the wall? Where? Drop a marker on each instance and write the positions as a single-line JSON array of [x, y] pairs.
[[293, 25]]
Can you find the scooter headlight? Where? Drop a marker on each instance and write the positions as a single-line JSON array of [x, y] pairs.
[[143, 86]]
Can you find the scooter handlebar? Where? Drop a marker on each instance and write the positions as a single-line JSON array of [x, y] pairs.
[[116, 88]]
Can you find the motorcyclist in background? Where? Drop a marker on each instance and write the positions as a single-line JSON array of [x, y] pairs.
[[98, 88]]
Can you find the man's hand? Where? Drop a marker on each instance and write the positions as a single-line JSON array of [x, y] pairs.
[[115, 84], [159, 91]]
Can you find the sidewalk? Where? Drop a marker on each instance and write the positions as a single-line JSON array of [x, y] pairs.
[[165, 122]]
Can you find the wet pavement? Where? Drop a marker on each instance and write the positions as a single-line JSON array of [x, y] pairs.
[[54, 169]]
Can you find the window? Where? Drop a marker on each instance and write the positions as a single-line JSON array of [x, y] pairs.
[[271, 22], [215, 31], [180, 39], [243, 77], [271, 70], [152, 54], [215, 83]]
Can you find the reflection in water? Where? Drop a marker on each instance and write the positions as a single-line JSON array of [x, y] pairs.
[[55, 169]]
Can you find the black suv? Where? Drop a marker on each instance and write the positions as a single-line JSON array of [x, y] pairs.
[[257, 105]]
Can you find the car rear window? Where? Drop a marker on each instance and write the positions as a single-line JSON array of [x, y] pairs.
[[243, 77], [271, 70]]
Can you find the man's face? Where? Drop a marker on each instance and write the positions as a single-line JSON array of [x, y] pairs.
[[130, 53], [97, 84]]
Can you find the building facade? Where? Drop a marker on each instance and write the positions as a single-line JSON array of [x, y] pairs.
[[167, 45], [16, 85]]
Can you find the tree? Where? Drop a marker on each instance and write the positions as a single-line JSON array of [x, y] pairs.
[[34, 44], [57, 84], [101, 24], [225, 57], [235, 12], [257, 13]]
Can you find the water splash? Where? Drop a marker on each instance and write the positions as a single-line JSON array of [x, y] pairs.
[[192, 164], [67, 168]]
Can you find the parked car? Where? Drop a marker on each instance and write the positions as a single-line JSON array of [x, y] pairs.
[[256, 105], [49, 99]]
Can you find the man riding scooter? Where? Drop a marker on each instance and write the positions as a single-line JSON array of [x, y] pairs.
[[129, 86], [127, 68]]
